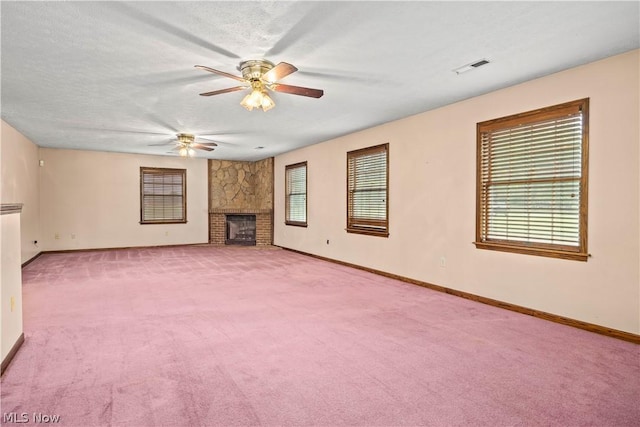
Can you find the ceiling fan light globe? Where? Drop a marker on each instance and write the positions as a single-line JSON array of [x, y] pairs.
[[267, 103], [255, 99], [191, 152], [183, 152], [247, 102]]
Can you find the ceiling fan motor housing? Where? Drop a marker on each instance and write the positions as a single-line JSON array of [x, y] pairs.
[[254, 69], [186, 138]]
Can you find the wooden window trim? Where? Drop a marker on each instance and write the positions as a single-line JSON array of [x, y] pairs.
[[306, 194], [369, 227], [579, 253], [144, 170]]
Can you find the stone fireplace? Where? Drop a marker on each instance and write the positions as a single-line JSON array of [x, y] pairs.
[[237, 190]]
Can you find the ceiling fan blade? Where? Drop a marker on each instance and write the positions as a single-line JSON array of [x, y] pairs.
[[201, 147], [218, 92], [297, 90], [281, 70], [222, 73], [207, 144]]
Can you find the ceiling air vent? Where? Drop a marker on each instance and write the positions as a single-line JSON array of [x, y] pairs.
[[471, 66], [479, 63]]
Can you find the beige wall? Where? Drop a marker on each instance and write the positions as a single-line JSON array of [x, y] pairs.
[[20, 184], [432, 200], [91, 199], [10, 281]]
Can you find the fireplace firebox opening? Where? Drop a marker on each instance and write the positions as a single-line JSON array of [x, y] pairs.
[[241, 230]]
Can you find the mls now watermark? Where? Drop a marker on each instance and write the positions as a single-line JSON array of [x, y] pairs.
[[25, 417]]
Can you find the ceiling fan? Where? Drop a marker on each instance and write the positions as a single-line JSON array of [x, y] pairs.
[[261, 75], [186, 145]]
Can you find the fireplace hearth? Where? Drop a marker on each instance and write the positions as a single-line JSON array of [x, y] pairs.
[[240, 230]]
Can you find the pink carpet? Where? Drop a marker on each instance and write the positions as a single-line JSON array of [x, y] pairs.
[[199, 336]]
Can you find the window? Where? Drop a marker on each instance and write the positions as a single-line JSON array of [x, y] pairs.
[[163, 196], [296, 194], [532, 182], [367, 191]]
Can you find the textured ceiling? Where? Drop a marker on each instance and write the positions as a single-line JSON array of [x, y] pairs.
[[120, 76]]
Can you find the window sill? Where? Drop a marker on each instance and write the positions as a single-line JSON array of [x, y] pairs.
[[162, 222], [368, 232], [551, 253], [296, 224]]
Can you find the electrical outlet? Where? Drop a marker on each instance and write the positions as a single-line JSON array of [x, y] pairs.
[[166, 233], [73, 236], [13, 303], [443, 262], [56, 236]]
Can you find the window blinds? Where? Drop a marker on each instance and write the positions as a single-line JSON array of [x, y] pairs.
[[531, 180], [367, 200], [296, 194], [163, 195]]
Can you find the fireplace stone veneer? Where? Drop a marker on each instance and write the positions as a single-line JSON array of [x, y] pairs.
[[218, 225]]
